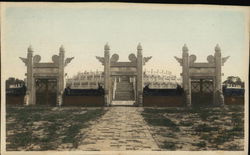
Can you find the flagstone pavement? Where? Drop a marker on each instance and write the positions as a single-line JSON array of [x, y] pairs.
[[119, 129]]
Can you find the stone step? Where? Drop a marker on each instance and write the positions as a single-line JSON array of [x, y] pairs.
[[124, 88], [118, 84], [123, 103], [123, 93], [129, 96], [123, 98]]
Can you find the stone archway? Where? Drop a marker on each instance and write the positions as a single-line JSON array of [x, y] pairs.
[[132, 68], [202, 71], [45, 73]]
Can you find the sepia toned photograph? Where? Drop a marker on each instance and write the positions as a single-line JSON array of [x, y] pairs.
[[124, 78]]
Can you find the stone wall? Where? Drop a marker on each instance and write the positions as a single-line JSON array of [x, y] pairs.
[[163, 101], [94, 101], [232, 100], [160, 101], [15, 99]]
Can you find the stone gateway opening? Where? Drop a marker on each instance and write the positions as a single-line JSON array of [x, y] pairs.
[[123, 81], [202, 92], [124, 89], [46, 91]]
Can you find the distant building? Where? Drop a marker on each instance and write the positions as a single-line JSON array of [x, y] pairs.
[[14, 83], [233, 82], [154, 79]]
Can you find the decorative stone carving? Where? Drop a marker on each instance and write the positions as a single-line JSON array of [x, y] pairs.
[[27, 98], [55, 59], [106, 47], [25, 60], [30, 50], [211, 70], [61, 49], [224, 59], [217, 48], [139, 47], [49, 70], [114, 58], [219, 97], [179, 60], [146, 59], [67, 61], [192, 59], [185, 48], [59, 98], [36, 58], [101, 59], [210, 59], [132, 68], [132, 57]]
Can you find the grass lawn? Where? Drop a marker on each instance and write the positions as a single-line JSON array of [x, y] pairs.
[[197, 128], [47, 128]]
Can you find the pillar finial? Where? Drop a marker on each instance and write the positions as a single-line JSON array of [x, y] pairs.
[[217, 48], [61, 49], [106, 47], [30, 49], [185, 48], [139, 47]]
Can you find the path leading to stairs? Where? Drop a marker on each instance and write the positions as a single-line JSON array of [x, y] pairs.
[[119, 129]]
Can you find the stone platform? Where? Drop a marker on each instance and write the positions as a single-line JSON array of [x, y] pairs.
[[122, 103]]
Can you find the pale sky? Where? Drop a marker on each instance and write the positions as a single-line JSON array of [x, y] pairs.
[[83, 31]]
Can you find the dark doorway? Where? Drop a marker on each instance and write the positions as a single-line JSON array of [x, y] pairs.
[[202, 92], [46, 91]]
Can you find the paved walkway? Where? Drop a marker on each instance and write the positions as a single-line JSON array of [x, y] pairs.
[[119, 129]]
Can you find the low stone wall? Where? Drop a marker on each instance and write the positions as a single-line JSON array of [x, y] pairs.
[[160, 101], [15, 99], [95, 101], [230, 100], [163, 101]]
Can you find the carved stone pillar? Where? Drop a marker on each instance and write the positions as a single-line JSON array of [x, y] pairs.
[[107, 74], [61, 76], [139, 93], [30, 80], [217, 56], [185, 75], [218, 64]]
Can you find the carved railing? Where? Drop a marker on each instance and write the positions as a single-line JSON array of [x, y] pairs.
[[114, 89], [134, 87]]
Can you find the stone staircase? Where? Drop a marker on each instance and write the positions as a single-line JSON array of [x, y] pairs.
[[124, 90]]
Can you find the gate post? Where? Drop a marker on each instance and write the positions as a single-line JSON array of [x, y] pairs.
[[218, 95], [60, 76], [107, 75], [30, 92], [139, 96], [186, 82]]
